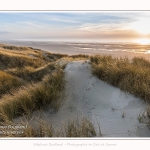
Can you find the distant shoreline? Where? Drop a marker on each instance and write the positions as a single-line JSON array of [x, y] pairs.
[[91, 48]]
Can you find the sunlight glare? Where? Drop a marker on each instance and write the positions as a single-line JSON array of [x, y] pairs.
[[143, 41]]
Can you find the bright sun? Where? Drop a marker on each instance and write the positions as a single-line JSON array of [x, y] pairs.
[[143, 41]]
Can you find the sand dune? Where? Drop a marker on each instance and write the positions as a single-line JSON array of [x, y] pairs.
[[115, 111]]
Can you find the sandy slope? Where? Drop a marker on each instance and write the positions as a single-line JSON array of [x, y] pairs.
[[115, 111]]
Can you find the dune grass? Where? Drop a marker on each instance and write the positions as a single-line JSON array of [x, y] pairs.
[[9, 47], [12, 61], [31, 80], [8, 82], [29, 73], [132, 76], [80, 56], [79, 128], [55, 57], [42, 128], [32, 97], [17, 65]]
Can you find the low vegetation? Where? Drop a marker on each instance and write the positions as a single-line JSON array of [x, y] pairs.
[[29, 73], [129, 75], [32, 97], [132, 76], [30, 80], [8, 82], [41, 128], [8, 60], [79, 128]]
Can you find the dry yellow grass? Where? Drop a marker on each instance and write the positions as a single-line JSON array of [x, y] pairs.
[[8, 82], [41, 128], [42, 81], [30, 73], [31, 80], [32, 97], [132, 76]]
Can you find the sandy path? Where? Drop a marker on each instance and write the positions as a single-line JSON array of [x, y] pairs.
[[115, 111]]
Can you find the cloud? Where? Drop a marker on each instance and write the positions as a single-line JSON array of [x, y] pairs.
[[92, 25], [101, 27], [64, 20]]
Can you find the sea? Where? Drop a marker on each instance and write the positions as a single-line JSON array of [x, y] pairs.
[[89, 48]]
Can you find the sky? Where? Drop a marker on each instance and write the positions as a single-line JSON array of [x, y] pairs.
[[101, 26]]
